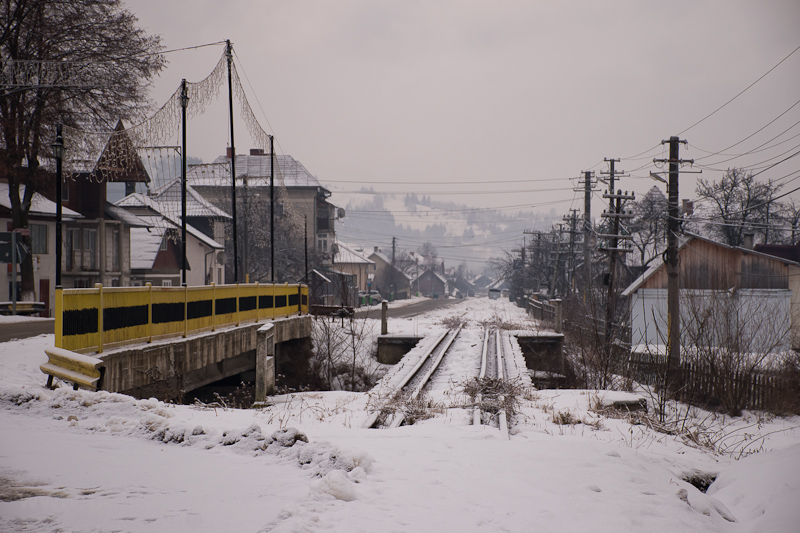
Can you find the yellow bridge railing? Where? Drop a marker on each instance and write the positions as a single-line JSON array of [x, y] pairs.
[[89, 320]]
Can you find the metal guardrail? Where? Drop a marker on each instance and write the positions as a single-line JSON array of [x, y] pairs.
[[80, 370], [89, 320]]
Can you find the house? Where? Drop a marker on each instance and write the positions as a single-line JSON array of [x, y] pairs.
[[304, 196], [97, 245], [430, 284], [42, 225], [156, 250], [390, 279], [790, 253], [723, 289], [352, 260]]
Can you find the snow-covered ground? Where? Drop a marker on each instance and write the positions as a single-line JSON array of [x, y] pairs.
[[99, 462]]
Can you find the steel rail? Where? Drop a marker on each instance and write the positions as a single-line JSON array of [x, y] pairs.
[[398, 419], [373, 418]]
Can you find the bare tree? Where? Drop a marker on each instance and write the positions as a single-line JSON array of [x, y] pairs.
[[103, 62], [739, 204], [649, 226]]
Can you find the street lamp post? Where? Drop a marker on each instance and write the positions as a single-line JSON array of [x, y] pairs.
[[58, 153], [184, 105]]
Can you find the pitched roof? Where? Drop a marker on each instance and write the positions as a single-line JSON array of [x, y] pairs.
[[388, 261], [196, 205], [288, 171], [683, 241], [350, 256], [40, 205], [162, 216]]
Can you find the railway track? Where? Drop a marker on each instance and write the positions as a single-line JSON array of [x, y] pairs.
[[415, 380], [452, 358], [493, 366]]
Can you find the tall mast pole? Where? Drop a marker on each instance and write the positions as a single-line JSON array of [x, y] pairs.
[[272, 208], [229, 57], [184, 105]]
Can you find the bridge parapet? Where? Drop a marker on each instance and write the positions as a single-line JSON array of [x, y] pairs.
[[91, 320]]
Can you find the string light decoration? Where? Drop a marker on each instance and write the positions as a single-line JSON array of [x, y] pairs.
[[113, 156]]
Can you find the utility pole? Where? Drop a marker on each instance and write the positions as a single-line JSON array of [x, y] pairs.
[[392, 272], [588, 188], [272, 208], [573, 222], [229, 58], [305, 243], [673, 227], [615, 214], [184, 105]]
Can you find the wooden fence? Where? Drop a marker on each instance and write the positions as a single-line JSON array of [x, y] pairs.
[[699, 384]]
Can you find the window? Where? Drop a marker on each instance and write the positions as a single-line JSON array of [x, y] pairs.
[[38, 238], [166, 283], [163, 244], [65, 191], [90, 248], [115, 250]]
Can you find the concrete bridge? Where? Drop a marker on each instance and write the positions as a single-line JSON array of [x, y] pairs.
[[165, 341]]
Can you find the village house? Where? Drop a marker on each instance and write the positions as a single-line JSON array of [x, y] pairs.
[[304, 197], [750, 289], [42, 225], [352, 260], [390, 279], [430, 284], [97, 245], [156, 250]]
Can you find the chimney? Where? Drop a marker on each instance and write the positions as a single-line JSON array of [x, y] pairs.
[[687, 208], [747, 242], [256, 151], [376, 249], [229, 152]]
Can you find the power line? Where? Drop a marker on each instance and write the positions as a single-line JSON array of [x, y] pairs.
[[740, 93]]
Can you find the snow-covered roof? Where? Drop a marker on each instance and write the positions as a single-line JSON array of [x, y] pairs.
[[442, 278], [40, 206], [349, 255], [162, 217], [118, 213], [383, 257], [196, 205], [145, 245], [288, 171]]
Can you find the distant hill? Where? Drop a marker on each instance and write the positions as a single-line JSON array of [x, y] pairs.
[[459, 232]]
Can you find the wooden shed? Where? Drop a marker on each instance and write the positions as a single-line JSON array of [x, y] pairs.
[[760, 290]]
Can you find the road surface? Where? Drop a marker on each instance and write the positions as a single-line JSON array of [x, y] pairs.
[[23, 330], [408, 310]]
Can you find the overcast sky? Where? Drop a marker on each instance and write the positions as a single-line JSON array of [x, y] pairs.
[[480, 93]]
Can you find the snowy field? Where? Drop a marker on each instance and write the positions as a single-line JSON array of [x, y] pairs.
[[75, 461]]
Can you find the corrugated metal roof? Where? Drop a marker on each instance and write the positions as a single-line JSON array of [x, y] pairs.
[[196, 205], [288, 171]]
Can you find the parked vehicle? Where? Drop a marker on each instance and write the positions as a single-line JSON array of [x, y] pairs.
[[370, 297]]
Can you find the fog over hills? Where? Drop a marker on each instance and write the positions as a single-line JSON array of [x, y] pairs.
[[460, 233]]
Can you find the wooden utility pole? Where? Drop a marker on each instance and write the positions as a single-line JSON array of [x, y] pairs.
[[673, 227], [615, 214], [587, 231]]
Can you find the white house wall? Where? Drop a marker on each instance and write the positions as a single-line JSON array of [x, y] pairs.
[[763, 314]]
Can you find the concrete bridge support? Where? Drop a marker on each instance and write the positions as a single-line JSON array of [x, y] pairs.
[[166, 369]]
